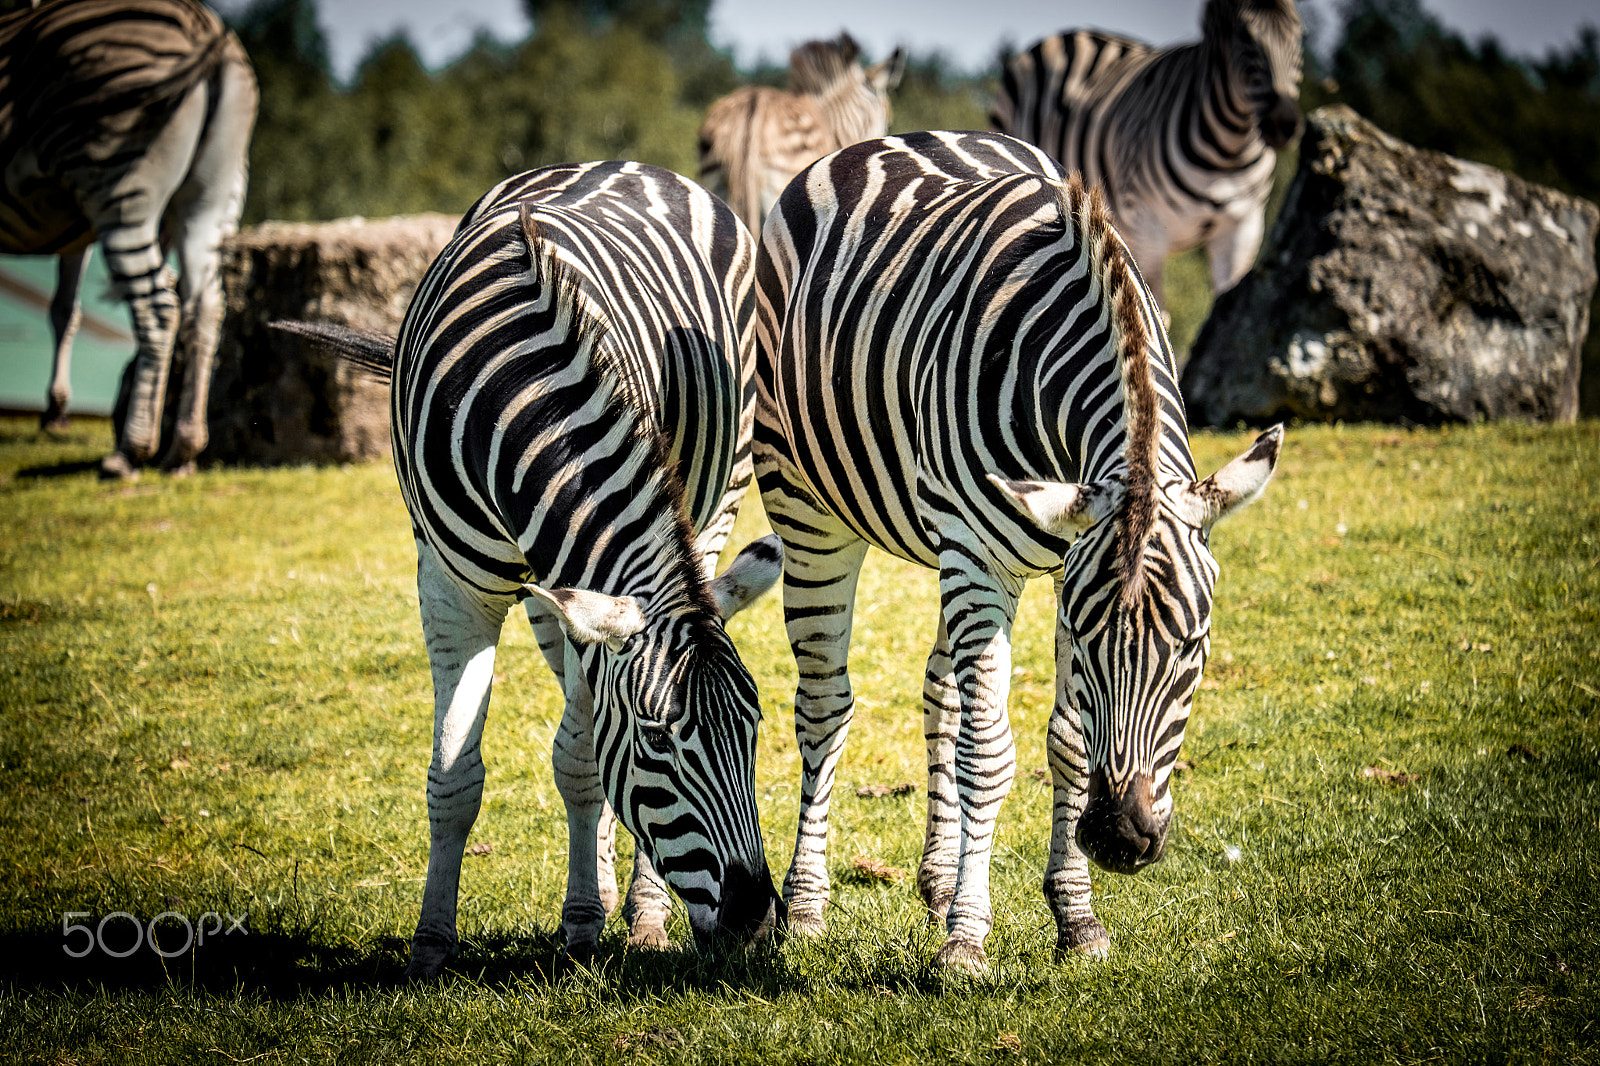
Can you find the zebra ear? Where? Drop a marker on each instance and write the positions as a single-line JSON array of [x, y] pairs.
[[1057, 507], [1235, 485], [593, 617], [752, 572], [886, 75]]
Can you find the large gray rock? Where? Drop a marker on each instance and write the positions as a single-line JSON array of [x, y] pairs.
[[1400, 284], [276, 398]]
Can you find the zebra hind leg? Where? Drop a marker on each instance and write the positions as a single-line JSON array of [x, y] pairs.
[[819, 585], [65, 314], [461, 634], [941, 849]]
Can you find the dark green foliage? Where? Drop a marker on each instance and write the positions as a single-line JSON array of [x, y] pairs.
[[633, 78]]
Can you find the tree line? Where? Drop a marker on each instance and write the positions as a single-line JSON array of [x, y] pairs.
[[607, 79]]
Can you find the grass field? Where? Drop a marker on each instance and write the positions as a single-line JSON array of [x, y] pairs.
[[214, 700]]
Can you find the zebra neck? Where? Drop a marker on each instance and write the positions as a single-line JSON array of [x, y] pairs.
[[1219, 109], [848, 111]]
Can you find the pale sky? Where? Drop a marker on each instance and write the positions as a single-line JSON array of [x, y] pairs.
[[968, 33]]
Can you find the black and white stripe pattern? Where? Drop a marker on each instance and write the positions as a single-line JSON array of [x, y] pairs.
[[128, 122], [756, 138], [961, 366], [1181, 139], [572, 400]]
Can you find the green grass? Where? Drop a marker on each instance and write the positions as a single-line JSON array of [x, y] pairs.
[[214, 698]]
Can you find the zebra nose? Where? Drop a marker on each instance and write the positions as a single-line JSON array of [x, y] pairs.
[[752, 911], [1281, 122], [1120, 830]]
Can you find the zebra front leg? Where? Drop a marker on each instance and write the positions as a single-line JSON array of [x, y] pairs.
[[978, 608], [1232, 252], [941, 718], [648, 905], [1066, 879], [819, 585], [461, 633], [591, 829], [65, 315]]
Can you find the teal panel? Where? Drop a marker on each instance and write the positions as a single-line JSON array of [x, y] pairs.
[[25, 342]]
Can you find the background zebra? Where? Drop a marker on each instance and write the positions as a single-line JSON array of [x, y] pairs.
[[128, 121], [1181, 139], [961, 367], [571, 401], [756, 138]]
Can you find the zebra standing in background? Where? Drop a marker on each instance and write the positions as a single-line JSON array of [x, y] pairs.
[[755, 139], [128, 122], [962, 367], [572, 398], [1182, 139]]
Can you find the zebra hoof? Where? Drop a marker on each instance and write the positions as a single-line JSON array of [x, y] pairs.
[[117, 467], [58, 423], [654, 939], [806, 922], [962, 957], [183, 469], [428, 957], [1085, 939]]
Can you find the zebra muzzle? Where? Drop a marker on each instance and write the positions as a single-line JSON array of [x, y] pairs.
[[1119, 829]]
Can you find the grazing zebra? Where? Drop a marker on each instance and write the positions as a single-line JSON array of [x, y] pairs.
[[961, 366], [755, 139], [1181, 139], [128, 122], [572, 397]]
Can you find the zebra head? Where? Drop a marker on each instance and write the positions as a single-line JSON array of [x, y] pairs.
[[1261, 41], [854, 98], [1134, 624], [675, 717]]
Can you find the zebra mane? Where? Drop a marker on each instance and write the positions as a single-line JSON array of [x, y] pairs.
[[817, 67], [1123, 289], [1219, 18], [626, 404]]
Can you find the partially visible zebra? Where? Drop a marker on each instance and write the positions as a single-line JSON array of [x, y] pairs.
[[756, 138], [128, 122], [572, 401], [962, 367], [1181, 139]]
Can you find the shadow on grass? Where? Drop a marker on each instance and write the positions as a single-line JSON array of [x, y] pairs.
[[301, 964], [297, 964], [58, 470]]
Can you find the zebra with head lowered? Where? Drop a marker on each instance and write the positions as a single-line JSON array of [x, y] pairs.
[[128, 122], [961, 366], [572, 400], [756, 138], [1181, 139]]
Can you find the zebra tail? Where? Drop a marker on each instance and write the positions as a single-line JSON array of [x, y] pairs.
[[370, 351]]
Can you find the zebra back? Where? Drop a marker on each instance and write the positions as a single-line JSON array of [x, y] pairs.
[[598, 298], [79, 77], [974, 241]]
